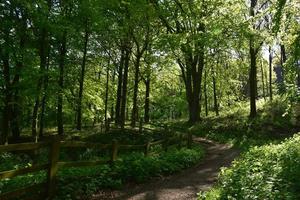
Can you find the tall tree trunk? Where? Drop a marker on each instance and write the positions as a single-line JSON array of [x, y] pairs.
[[147, 100], [134, 113], [106, 93], [283, 54], [263, 79], [44, 98], [216, 107], [252, 81], [7, 99], [119, 89], [252, 74], [62, 52], [112, 111], [15, 107], [124, 88], [192, 72], [270, 73], [43, 63], [205, 93], [83, 65], [283, 59]]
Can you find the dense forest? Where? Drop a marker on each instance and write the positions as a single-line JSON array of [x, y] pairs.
[[135, 72]]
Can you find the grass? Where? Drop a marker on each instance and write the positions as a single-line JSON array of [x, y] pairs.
[[272, 124], [269, 167]]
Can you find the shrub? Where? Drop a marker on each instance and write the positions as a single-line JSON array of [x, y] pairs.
[[267, 172], [77, 182]]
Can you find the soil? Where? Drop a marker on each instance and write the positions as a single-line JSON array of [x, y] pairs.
[[184, 185]]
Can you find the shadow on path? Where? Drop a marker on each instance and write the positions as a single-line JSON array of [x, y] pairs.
[[188, 183]]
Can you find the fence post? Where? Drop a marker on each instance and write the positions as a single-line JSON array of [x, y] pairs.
[[53, 166], [147, 148], [114, 151]]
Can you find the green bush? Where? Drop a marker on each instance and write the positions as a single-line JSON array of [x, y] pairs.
[[267, 172], [77, 182], [134, 167]]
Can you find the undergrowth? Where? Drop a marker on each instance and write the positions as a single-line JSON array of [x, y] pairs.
[[268, 172], [75, 183]]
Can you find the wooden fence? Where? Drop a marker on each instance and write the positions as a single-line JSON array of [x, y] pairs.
[[47, 189]]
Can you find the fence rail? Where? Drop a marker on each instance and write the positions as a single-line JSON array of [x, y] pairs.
[[54, 164]]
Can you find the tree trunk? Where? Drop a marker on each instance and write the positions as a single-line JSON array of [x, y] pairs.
[[119, 89], [43, 63], [7, 99], [124, 88], [270, 73], [263, 80], [62, 52], [283, 60], [147, 100], [205, 93], [252, 74], [83, 65], [216, 107], [15, 107], [106, 93], [112, 110], [44, 98], [252, 81], [283, 54], [134, 113]]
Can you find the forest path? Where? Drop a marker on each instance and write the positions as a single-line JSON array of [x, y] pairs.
[[184, 185]]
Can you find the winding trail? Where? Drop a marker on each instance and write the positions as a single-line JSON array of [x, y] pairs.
[[182, 186]]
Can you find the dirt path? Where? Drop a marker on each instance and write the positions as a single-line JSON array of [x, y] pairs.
[[185, 185]]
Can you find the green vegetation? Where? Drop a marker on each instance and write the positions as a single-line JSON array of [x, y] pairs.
[[266, 172], [106, 70], [273, 123], [130, 167]]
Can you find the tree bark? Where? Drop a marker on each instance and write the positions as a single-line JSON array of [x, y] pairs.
[[252, 81], [124, 87], [43, 63], [112, 110], [147, 100], [44, 98], [15, 107], [253, 69], [7, 98], [134, 113], [263, 80], [62, 52], [216, 107], [270, 73], [83, 65], [106, 93], [283, 59], [205, 93], [119, 89]]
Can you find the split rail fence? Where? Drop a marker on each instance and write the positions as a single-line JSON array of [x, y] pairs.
[[47, 189]]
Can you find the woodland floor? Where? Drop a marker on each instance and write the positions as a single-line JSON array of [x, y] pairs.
[[182, 186]]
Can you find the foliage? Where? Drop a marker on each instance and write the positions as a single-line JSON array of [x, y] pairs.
[[274, 122], [77, 182], [267, 172]]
